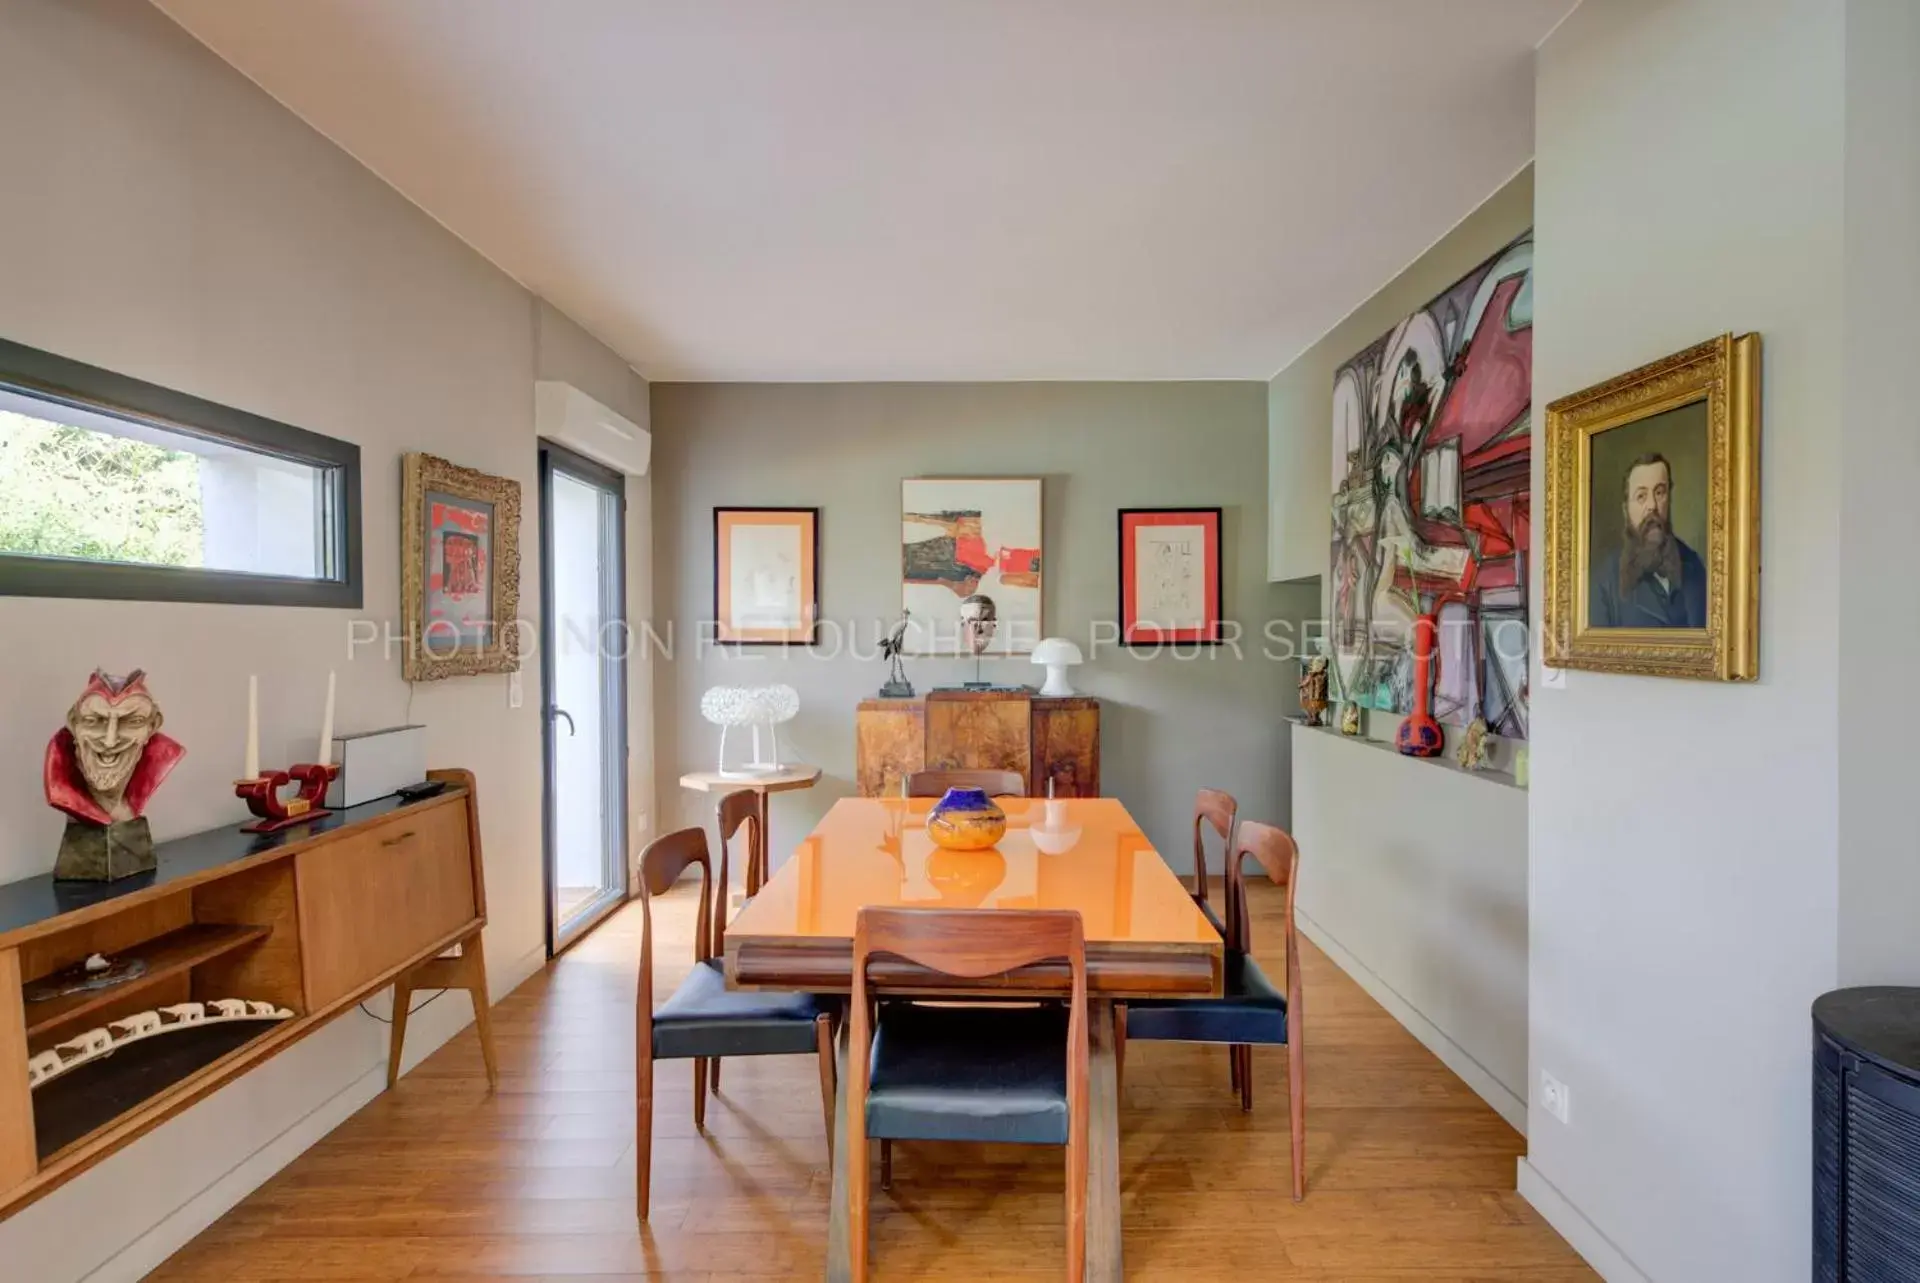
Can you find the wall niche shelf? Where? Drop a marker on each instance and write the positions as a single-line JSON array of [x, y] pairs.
[[167, 957]]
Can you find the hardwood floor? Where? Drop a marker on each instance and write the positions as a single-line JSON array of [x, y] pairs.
[[1410, 1175]]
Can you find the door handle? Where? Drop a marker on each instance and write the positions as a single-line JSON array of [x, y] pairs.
[[557, 711]]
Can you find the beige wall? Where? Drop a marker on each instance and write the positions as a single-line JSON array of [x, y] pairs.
[[1300, 397], [1170, 726], [1685, 856], [170, 221]]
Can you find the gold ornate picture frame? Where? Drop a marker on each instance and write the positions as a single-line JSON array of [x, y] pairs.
[[459, 570], [1640, 469]]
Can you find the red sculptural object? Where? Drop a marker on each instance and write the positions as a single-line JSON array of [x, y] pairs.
[[1420, 734]]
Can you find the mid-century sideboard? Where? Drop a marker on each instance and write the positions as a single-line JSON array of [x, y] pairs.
[[312, 919], [1049, 740]]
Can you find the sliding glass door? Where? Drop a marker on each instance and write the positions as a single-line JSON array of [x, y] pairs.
[[584, 690]]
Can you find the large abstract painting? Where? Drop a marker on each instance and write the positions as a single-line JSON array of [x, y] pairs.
[[1432, 449], [961, 536]]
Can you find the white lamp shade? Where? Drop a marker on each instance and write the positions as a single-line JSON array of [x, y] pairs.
[[1057, 650], [1057, 654]]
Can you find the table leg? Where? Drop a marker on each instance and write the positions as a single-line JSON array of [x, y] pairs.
[[1103, 1148], [839, 1248]]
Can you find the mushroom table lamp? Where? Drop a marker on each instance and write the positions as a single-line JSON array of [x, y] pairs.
[[1057, 654]]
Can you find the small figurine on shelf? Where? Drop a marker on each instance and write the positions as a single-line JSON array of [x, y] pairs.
[[1349, 719], [1313, 690], [1471, 752], [979, 618], [897, 686], [102, 769]]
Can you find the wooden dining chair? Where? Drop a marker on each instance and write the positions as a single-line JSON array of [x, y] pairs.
[[996, 1075], [1215, 809], [737, 810], [993, 783], [1212, 809], [1252, 1010], [704, 1019]]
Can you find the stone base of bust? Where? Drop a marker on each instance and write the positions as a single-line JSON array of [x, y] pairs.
[[104, 852]]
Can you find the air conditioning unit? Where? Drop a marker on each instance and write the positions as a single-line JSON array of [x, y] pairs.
[[564, 414]]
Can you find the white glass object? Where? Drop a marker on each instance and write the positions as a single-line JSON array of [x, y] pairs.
[[755, 707], [1057, 654]]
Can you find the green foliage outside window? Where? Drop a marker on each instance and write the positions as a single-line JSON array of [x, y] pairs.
[[73, 492]]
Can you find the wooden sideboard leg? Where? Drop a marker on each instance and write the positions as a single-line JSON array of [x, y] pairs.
[[467, 971], [475, 960], [402, 1008]]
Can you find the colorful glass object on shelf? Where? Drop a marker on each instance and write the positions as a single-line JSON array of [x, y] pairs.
[[1419, 734], [966, 820]]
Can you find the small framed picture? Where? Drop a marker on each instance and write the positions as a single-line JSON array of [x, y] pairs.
[[1170, 576], [459, 570], [766, 579], [1653, 518]]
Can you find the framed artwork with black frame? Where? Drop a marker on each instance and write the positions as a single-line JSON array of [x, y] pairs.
[[766, 576], [1171, 577]]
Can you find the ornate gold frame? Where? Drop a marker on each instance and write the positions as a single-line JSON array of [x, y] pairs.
[[1725, 373], [420, 473]]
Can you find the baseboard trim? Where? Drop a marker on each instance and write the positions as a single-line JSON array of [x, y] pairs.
[[425, 1036], [1497, 1094], [1585, 1237]]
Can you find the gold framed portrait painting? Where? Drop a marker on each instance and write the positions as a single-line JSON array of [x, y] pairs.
[[1653, 518], [459, 570]]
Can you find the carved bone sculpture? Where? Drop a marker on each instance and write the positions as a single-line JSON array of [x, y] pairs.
[[95, 1043]]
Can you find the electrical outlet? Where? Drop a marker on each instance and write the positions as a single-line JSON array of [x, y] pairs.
[[1556, 1097], [516, 693]]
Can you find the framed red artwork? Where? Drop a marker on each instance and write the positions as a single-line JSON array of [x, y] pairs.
[[1170, 576]]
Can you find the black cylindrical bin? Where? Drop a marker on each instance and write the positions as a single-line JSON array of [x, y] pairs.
[[1866, 1136]]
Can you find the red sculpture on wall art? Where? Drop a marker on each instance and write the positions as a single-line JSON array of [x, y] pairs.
[[1420, 734]]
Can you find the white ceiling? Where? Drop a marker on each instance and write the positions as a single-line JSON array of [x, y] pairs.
[[923, 189]]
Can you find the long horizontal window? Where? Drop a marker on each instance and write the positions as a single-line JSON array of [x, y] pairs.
[[115, 488]]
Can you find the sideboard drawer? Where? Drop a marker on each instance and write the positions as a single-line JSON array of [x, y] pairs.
[[370, 902]]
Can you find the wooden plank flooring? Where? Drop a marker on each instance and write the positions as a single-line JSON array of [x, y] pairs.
[[1410, 1175]]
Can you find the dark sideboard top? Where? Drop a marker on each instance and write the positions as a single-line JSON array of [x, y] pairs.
[[31, 901]]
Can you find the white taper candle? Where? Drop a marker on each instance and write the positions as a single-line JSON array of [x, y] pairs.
[[326, 727], [253, 728]]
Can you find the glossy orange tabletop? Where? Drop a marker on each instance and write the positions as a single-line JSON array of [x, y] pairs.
[[1144, 934]]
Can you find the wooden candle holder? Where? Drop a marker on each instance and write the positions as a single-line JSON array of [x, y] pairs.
[[262, 795]]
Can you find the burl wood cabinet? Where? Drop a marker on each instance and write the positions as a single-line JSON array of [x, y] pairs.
[[1045, 739]]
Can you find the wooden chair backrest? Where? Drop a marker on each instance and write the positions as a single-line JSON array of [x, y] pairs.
[[1216, 810], [1279, 858], [994, 783], [661, 865], [737, 810]]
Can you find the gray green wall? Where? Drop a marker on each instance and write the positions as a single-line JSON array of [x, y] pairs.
[[1169, 725]]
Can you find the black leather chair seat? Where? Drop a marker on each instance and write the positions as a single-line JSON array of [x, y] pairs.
[[990, 1074], [1251, 1010], [705, 1018]]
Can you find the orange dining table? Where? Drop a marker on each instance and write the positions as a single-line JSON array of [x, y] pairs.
[[1145, 938]]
